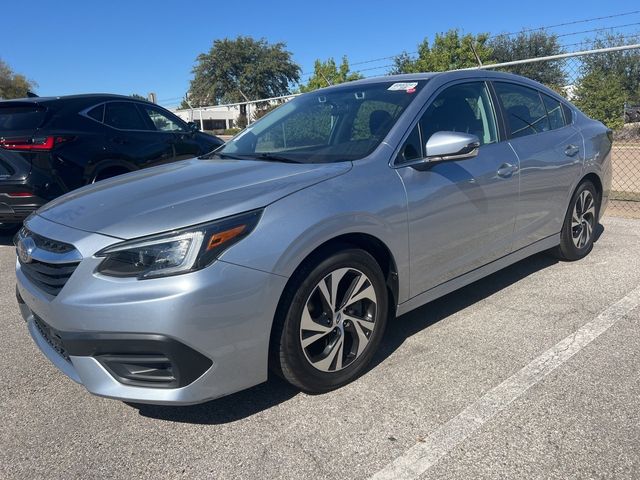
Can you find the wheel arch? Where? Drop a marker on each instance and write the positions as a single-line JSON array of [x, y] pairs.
[[121, 166], [364, 241], [367, 242]]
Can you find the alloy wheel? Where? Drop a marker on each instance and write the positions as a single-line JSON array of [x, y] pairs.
[[338, 319], [583, 219]]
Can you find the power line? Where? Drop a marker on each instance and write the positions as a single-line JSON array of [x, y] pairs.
[[587, 20]]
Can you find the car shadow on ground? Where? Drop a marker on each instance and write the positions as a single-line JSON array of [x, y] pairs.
[[275, 391]]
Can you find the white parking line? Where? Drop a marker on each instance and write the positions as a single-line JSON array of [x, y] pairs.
[[422, 456]]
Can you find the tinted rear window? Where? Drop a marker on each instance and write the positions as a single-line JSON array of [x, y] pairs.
[[124, 115], [21, 118], [97, 113], [525, 112]]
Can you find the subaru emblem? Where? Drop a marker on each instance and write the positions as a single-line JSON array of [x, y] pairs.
[[25, 249]]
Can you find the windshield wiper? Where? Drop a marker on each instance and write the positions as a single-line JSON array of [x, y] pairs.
[[223, 156], [271, 157]]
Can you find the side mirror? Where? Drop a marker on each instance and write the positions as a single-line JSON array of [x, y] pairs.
[[193, 127], [451, 146]]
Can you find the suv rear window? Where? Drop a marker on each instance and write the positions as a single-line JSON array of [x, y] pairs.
[[21, 117], [124, 115], [97, 113]]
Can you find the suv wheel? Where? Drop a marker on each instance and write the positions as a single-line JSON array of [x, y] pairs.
[[335, 313]]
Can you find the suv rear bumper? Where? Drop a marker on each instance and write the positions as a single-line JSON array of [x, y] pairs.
[[16, 209]]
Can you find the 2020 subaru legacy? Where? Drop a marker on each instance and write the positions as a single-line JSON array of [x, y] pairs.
[[52, 145], [291, 246]]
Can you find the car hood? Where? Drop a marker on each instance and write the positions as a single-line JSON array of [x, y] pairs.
[[182, 194]]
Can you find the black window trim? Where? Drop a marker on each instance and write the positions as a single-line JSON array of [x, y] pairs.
[[416, 121]]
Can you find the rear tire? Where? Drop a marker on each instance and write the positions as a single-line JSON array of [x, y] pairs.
[[580, 222], [330, 321]]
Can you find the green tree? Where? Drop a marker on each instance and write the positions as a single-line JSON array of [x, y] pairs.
[[600, 94], [328, 73], [450, 51], [531, 45], [624, 64], [13, 85], [137, 96], [240, 70], [608, 80]]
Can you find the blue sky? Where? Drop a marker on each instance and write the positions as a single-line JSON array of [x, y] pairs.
[[126, 47]]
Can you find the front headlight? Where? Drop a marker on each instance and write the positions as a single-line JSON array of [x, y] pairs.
[[177, 252]]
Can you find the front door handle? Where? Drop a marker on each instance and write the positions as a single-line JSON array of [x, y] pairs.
[[571, 150], [506, 170]]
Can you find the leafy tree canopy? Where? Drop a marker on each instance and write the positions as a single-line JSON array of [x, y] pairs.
[[13, 85], [240, 70], [601, 95], [531, 45], [450, 51], [625, 64], [328, 73]]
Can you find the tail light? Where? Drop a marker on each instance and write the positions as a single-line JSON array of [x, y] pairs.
[[19, 194], [33, 144]]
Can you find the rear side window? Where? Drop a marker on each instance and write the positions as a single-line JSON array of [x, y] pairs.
[[554, 112], [97, 113], [22, 117], [568, 114], [124, 116], [523, 107]]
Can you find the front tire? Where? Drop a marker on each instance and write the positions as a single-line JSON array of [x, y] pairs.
[[330, 322], [579, 227]]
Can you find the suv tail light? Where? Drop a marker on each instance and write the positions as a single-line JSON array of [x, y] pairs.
[[33, 144]]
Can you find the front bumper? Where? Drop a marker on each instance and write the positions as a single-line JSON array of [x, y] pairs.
[[219, 318]]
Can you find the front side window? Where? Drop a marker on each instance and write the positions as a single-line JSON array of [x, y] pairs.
[[124, 116], [526, 115], [464, 108], [412, 148], [341, 124], [160, 120]]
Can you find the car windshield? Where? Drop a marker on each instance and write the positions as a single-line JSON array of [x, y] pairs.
[[341, 124]]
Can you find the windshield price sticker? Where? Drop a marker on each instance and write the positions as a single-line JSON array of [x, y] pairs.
[[406, 86]]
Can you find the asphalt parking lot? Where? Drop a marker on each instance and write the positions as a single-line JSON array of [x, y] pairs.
[[533, 372]]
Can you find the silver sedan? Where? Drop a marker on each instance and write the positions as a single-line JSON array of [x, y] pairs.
[[294, 244]]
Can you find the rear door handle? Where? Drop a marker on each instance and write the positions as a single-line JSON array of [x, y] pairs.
[[506, 170], [571, 150]]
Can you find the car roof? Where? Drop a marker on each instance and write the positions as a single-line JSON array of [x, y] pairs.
[[79, 98], [447, 76]]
